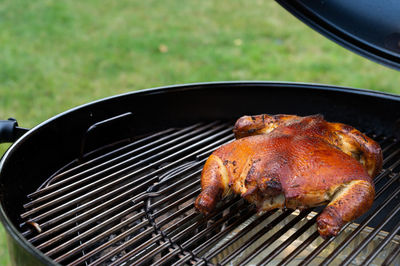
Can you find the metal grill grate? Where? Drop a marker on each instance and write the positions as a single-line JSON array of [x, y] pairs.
[[134, 204]]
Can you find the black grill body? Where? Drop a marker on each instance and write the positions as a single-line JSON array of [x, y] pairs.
[[69, 136]]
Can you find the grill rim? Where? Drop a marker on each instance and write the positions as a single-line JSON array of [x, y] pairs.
[[15, 238]]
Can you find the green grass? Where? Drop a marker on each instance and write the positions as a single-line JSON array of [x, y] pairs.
[[57, 54]]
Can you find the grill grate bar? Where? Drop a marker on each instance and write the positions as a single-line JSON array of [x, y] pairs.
[[101, 215], [194, 226], [197, 164], [386, 171], [395, 252], [309, 240], [243, 232], [146, 253], [160, 173], [380, 177], [387, 185], [275, 236], [77, 201], [224, 219], [326, 242], [150, 254], [165, 178], [183, 221], [121, 161], [391, 145], [92, 203], [353, 234], [146, 177], [104, 234], [79, 167], [259, 234], [182, 233], [151, 242], [386, 150], [168, 257], [176, 193], [173, 216], [181, 261], [130, 242], [315, 235], [381, 245], [393, 154], [114, 174], [287, 242], [368, 239], [191, 218], [300, 248], [184, 259], [181, 181], [184, 246], [213, 240], [83, 235], [321, 247], [84, 215], [180, 201], [87, 255], [393, 179]]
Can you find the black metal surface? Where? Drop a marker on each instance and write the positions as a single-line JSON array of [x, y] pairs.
[[57, 143], [367, 27], [153, 220], [10, 131]]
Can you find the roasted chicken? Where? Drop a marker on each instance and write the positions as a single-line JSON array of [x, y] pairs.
[[288, 161]]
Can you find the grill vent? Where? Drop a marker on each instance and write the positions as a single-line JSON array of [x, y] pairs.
[[134, 204]]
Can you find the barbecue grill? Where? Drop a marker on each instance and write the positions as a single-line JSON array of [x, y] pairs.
[[114, 181]]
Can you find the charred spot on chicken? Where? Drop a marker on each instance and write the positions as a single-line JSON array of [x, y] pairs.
[[288, 161]]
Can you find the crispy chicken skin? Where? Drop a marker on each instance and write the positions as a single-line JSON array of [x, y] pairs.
[[287, 161]]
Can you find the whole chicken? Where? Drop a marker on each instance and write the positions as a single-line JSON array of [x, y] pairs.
[[288, 161]]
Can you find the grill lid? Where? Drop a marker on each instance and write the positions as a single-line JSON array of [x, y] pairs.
[[369, 28]]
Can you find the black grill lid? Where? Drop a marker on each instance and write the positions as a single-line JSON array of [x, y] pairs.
[[370, 28]]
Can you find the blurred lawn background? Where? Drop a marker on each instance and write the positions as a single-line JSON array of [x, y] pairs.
[[57, 54]]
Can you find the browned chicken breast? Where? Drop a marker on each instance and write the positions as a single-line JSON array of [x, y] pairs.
[[287, 161]]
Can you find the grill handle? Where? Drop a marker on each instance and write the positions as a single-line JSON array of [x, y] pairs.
[[10, 131]]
